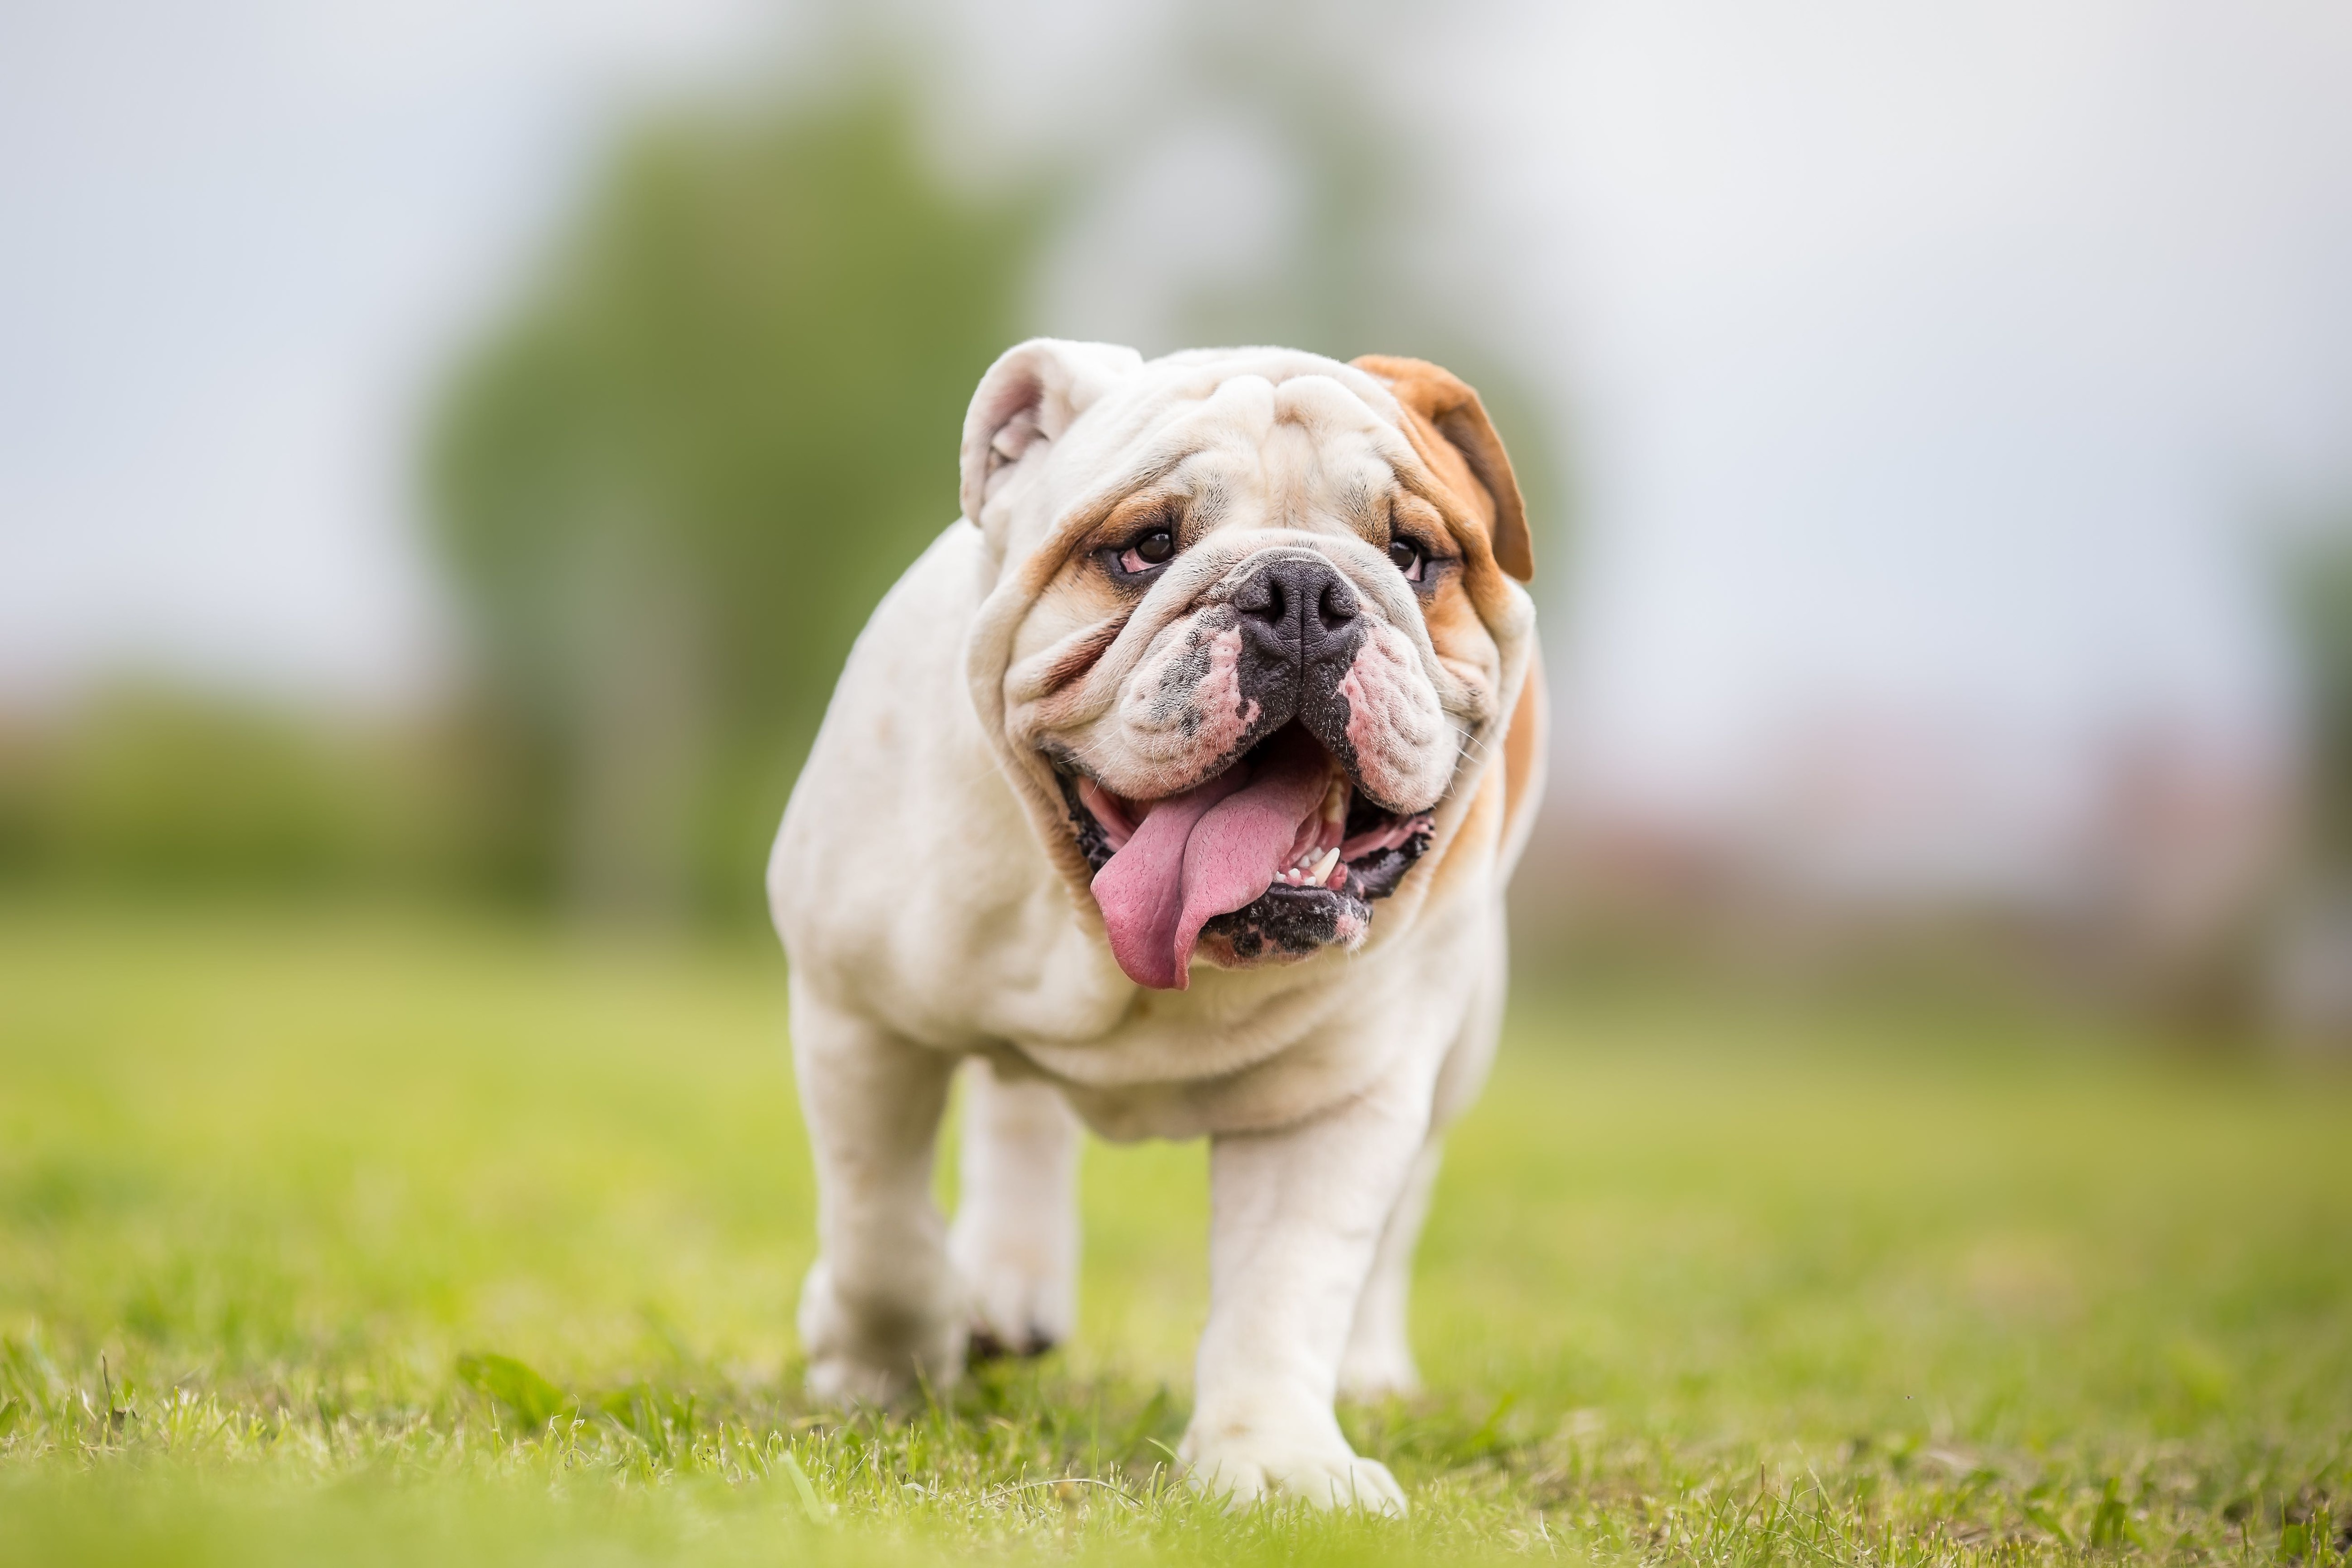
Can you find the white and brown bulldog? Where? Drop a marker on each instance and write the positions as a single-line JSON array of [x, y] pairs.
[[1179, 782]]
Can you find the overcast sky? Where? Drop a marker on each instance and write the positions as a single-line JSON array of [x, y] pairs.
[[1937, 358], [1932, 356], [238, 242]]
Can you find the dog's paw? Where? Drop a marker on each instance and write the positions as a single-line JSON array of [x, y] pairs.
[[1245, 1468], [875, 1357], [1018, 1299]]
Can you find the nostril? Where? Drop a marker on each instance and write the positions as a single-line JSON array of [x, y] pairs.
[[1261, 598], [1338, 604]]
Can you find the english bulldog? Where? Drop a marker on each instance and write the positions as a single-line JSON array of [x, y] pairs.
[[1176, 786]]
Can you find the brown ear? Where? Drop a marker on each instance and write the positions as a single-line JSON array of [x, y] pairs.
[[1449, 406]]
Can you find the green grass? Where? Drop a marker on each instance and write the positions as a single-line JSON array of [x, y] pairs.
[[344, 1237]]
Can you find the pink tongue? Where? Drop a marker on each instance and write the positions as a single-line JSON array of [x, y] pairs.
[[1205, 853]]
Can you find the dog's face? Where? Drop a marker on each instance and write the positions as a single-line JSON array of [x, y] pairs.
[[1247, 630]]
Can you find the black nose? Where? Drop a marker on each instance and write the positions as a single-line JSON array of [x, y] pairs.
[[1298, 609]]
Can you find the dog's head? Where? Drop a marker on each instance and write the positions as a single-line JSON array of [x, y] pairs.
[[1252, 631]]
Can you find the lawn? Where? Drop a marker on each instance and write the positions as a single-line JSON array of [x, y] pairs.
[[339, 1236]]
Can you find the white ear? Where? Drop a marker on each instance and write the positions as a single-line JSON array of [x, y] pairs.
[[1030, 396]]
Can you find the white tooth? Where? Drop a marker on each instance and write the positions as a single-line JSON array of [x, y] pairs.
[[1323, 866]]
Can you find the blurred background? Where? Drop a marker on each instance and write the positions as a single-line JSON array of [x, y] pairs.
[[446, 449]]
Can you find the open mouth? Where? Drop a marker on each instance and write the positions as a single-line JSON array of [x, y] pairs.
[[1277, 855]]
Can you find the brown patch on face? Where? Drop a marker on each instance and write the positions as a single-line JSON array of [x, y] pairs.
[[1456, 631], [1450, 432], [1467, 482], [1464, 644]]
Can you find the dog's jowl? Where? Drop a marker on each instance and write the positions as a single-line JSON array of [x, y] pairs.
[[1174, 788]]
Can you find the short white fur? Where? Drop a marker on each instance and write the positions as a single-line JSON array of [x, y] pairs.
[[929, 925]]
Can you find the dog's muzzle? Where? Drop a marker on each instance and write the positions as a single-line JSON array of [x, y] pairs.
[[1281, 850]]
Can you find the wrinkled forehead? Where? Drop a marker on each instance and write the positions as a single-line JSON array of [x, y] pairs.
[[1303, 454], [1276, 439]]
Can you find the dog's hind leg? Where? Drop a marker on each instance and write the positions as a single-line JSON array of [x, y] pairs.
[[1015, 1238], [879, 1315], [1378, 1358]]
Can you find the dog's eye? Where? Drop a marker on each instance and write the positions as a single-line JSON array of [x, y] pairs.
[[1154, 549], [1407, 557]]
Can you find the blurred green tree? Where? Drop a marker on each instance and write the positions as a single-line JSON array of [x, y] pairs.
[[674, 483]]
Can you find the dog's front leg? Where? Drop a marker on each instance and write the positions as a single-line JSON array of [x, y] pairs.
[[1295, 1218], [879, 1313]]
